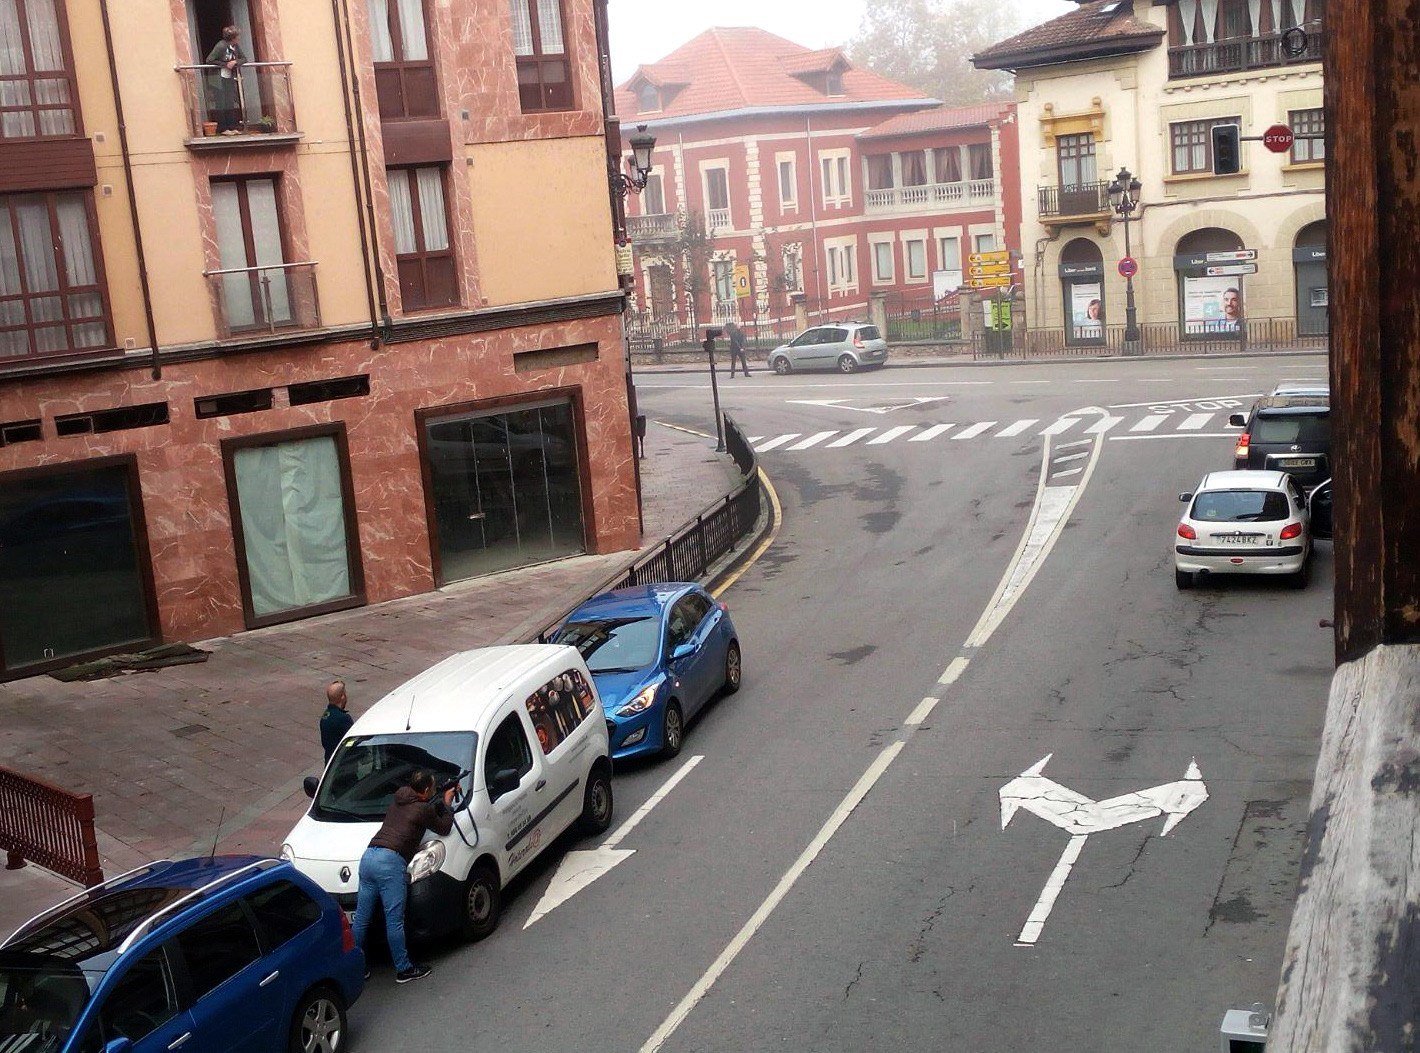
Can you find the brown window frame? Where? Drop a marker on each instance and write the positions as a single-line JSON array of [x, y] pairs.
[[1075, 148], [259, 320], [31, 76], [357, 597], [539, 62], [394, 79], [64, 291], [423, 256], [1200, 128], [1310, 121]]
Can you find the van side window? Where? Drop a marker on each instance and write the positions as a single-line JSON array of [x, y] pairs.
[[558, 708], [508, 750]]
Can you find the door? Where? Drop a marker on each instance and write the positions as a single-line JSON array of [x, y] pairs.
[[692, 671], [1078, 175], [801, 348], [233, 996], [255, 294], [286, 920], [517, 791], [831, 344], [144, 1008]]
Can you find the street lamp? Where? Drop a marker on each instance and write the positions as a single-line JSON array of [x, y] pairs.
[[643, 144], [1124, 199]]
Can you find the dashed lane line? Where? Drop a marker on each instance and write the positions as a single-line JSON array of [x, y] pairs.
[[1178, 435]]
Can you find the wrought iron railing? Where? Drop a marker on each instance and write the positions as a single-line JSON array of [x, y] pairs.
[[1083, 199], [256, 101], [49, 826], [1259, 335], [1244, 53], [922, 318], [265, 299], [652, 228]]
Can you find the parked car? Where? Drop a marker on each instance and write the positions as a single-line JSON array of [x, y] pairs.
[[844, 346], [225, 952], [1286, 433], [658, 653], [516, 730], [1247, 522], [1320, 388]]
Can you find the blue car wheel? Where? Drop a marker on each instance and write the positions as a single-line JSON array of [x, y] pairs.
[[733, 668], [672, 730]]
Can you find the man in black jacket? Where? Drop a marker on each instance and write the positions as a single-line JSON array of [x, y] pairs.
[[382, 867]]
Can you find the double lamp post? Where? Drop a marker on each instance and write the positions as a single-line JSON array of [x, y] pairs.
[[1124, 199]]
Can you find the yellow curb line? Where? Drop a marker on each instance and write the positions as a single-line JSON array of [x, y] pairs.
[[688, 431], [763, 545]]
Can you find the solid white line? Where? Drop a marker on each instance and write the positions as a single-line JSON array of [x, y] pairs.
[[851, 438], [922, 712], [1177, 435], [812, 440], [761, 915], [953, 671], [1150, 422], [972, 431], [1012, 430], [932, 432], [1061, 425], [1099, 380], [1032, 382], [651, 802], [1072, 457], [1102, 425], [1195, 421], [891, 433], [1053, 885], [780, 441]]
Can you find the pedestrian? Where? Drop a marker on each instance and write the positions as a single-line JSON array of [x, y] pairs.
[[383, 878], [738, 344], [336, 719], [228, 58]]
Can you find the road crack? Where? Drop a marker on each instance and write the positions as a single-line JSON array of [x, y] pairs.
[[856, 977]]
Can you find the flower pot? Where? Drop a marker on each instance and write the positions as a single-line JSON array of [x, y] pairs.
[[209, 127]]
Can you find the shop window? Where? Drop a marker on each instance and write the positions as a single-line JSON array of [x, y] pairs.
[[423, 254], [544, 73], [1082, 285], [1209, 305]]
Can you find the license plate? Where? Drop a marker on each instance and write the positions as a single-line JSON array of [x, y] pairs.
[[1299, 462], [1236, 539]]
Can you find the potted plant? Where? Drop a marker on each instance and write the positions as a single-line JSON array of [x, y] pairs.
[[267, 124], [209, 127]]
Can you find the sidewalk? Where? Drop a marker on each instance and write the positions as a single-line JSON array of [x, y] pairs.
[[166, 753]]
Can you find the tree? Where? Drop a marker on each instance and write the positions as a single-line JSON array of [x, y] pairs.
[[928, 45], [693, 247]]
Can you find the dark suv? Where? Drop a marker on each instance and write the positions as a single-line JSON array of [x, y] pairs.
[[1287, 433]]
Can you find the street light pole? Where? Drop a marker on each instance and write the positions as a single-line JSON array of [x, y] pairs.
[[1124, 197]]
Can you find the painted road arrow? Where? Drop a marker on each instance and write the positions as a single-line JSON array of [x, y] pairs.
[[1081, 816], [579, 869], [906, 403]]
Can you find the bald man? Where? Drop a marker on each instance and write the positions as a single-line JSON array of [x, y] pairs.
[[335, 721]]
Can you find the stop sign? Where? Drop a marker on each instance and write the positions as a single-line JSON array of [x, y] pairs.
[[1278, 138]]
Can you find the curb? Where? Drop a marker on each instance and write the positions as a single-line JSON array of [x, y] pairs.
[[736, 562]]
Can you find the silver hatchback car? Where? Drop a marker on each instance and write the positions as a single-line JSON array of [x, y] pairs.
[[844, 346]]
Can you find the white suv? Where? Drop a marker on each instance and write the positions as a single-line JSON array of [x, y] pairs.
[[844, 346], [1247, 522]]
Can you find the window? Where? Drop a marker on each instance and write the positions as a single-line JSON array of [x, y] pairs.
[[793, 269], [837, 189], [427, 277], [788, 184], [984, 243], [685, 617], [558, 708], [52, 296], [648, 96], [949, 253], [916, 259], [880, 175], [840, 265], [1193, 144], [508, 751], [217, 948], [544, 73], [36, 79], [1308, 122], [834, 83], [1241, 506], [1076, 155], [1234, 20], [723, 272], [142, 1001], [611, 644], [882, 262], [283, 912], [978, 158], [947, 160], [365, 772], [255, 291], [914, 168], [717, 189], [653, 197], [404, 72]]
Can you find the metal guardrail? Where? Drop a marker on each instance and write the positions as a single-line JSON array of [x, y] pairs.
[[253, 299], [690, 552], [44, 824], [256, 101]]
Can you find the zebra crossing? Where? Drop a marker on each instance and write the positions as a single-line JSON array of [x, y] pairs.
[[1187, 425]]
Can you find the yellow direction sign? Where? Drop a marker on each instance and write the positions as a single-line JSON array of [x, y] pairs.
[[999, 256], [996, 281], [741, 281], [984, 270]]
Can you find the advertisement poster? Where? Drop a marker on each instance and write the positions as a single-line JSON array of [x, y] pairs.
[[1212, 305], [1086, 311]]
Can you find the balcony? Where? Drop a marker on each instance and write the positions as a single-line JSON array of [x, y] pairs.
[[253, 109], [1060, 206], [256, 300], [1240, 54], [718, 219], [644, 229], [932, 196]]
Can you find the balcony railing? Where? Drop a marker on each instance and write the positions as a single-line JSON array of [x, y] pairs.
[[718, 219], [1086, 199], [1241, 53], [725, 310], [239, 111], [265, 299], [652, 228], [932, 195]]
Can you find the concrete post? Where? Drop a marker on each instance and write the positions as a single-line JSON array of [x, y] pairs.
[[801, 311], [877, 311]]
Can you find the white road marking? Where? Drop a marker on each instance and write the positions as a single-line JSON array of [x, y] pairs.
[[892, 433], [1012, 430], [634, 820], [971, 431], [932, 432], [1150, 422], [812, 440], [776, 896], [850, 438], [1072, 457], [752, 439], [1074, 445], [1067, 472], [1178, 435], [1225, 400], [1098, 380], [776, 442], [1032, 382], [1064, 424], [1195, 421], [922, 712], [947, 679], [953, 671], [1048, 895], [1102, 425]]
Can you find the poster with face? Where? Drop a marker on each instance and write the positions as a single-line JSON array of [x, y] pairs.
[[1212, 305], [1086, 310]]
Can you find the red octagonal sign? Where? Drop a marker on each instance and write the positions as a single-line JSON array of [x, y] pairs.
[[1278, 138]]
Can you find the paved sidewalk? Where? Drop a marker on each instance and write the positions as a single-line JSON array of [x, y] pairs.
[[166, 753]]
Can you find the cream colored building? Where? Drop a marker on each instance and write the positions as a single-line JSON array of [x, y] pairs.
[[1138, 84]]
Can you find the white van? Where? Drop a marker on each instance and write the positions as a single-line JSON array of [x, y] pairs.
[[520, 731]]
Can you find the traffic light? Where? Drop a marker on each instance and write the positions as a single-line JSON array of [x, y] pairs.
[[1227, 149]]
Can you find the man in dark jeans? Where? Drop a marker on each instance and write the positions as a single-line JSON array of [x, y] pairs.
[[738, 345], [382, 867]]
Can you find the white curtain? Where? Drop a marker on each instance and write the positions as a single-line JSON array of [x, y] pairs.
[[1187, 15], [1299, 11], [12, 62], [79, 271], [522, 28], [232, 253], [431, 210], [549, 26], [402, 212], [1254, 16], [381, 46], [45, 46], [1276, 15], [266, 239], [12, 342], [293, 524], [1210, 20], [411, 30]]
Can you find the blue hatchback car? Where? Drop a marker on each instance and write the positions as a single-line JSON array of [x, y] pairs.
[[230, 952], [658, 653]]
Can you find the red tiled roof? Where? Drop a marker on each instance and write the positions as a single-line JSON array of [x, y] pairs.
[[744, 67], [941, 119], [1095, 28]]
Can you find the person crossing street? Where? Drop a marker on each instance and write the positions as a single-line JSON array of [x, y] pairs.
[[738, 347]]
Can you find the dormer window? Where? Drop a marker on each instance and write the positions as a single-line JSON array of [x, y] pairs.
[[648, 98], [834, 83]]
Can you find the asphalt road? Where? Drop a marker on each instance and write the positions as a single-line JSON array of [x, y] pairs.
[[904, 931]]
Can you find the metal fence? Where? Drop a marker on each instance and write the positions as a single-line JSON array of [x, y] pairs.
[[922, 318], [655, 337], [49, 826], [1157, 338]]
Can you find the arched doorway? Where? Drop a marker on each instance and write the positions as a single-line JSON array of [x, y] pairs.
[[1309, 261], [1082, 289], [1210, 303]]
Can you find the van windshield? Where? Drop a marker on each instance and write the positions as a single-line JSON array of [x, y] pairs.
[[366, 771]]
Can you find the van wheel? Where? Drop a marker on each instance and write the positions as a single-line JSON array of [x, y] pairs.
[[847, 364], [318, 1025], [672, 730], [733, 669], [1183, 579], [597, 802], [782, 366], [482, 903]]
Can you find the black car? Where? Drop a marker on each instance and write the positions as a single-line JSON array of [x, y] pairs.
[[1287, 433]]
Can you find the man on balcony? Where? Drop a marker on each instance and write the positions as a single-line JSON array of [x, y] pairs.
[[228, 58]]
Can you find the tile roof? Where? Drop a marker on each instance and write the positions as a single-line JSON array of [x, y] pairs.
[[747, 68], [941, 119], [1100, 27]]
